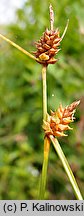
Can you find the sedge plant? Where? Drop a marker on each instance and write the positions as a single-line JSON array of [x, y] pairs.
[[56, 123]]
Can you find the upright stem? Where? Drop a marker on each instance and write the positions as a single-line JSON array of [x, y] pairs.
[[46, 139], [44, 92], [44, 168], [66, 167]]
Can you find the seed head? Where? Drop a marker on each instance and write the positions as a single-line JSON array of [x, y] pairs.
[[59, 120], [48, 45]]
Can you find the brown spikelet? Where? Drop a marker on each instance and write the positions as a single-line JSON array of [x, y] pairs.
[[59, 120], [48, 45]]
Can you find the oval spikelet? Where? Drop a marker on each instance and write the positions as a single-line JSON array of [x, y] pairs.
[[58, 123]]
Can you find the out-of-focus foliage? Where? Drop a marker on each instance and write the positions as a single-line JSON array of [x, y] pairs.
[[21, 136]]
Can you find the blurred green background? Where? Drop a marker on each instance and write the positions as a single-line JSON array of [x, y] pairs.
[[21, 135]]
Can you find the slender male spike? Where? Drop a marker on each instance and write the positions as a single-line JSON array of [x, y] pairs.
[[51, 17]]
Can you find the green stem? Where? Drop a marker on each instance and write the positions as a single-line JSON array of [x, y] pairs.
[[44, 168], [66, 167], [44, 92], [46, 139]]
